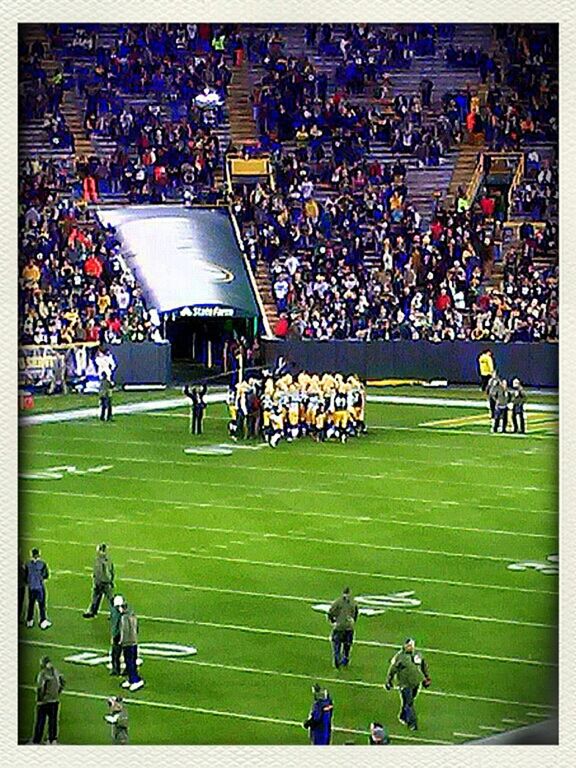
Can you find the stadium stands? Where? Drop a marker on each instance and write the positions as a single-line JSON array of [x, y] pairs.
[[385, 221]]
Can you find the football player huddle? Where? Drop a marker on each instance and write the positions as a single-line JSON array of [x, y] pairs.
[[323, 407]]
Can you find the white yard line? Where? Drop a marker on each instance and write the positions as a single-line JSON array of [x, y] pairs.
[[324, 638], [444, 446], [127, 408], [323, 490], [297, 566], [291, 675], [272, 595], [451, 402], [346, 518], [215, 397], [301, 471], [491, 728], [348, 543], [458, 431], [466, 735]]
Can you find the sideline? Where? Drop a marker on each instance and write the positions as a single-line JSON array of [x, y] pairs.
[[220, 397]]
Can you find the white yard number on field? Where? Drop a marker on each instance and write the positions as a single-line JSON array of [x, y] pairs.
[[57, 473], [165, 650], [374, 605], [550, 568]]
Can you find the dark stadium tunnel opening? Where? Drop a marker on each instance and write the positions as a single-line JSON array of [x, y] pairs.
[[208, 346]]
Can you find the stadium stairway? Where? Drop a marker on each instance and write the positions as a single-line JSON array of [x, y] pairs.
[[242, 127], [73, 110], [33, 139]]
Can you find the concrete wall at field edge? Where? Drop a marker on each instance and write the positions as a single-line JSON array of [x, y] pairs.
[[142, 363], [536, 364]]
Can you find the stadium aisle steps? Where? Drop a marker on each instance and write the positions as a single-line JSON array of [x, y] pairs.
[[73, 110], [242, 127]]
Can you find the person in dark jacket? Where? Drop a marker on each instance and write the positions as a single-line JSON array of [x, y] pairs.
[[197, 407], [342, 615], [105, 395], [410, 670], [319, 722], [49, 685], [36, 573], [518, 400], [103, 581]]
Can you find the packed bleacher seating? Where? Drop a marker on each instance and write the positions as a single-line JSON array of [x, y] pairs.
[[350, 119]]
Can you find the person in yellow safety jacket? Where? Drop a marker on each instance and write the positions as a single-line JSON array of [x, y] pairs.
[[486, 368]]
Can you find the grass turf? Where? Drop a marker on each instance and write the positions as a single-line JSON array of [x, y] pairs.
[[229, 553]]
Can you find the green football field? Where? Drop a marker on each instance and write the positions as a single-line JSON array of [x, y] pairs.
[[227, 552]]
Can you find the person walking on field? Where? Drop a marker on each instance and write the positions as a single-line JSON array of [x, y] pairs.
[[410, 670], [36, 573], [49, 685], [103, 580], [343, 614]]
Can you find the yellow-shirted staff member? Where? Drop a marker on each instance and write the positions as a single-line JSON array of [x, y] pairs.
[[486, 368]]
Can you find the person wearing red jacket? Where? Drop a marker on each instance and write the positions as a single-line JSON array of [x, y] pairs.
[[281, 327], [93, 266], [443, 301]]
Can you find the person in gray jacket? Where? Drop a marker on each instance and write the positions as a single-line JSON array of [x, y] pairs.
[[115, 633], [491, 390], [103, 581], [129, 643], [502, 396], [49, 685]]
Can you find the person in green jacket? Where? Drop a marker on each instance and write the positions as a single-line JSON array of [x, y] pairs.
[[118, 719], [49, 685], [103, 579], [410, 670], [343, 614]]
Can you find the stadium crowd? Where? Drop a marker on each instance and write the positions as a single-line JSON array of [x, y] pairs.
[[347, 253], [427, 284], [74, 284]]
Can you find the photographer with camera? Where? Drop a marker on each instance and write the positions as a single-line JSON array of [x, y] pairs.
[[118, 719]]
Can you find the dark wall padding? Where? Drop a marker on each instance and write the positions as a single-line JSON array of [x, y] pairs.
[[534, 364], [142, 363]]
